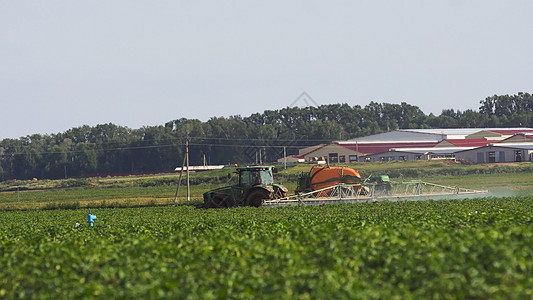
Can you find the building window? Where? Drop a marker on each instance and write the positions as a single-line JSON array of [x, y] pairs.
[[333, 157], [342, 158], [353, 158], [518, 155], [418, 157], [402, 157], [382, 158], [492, 157]]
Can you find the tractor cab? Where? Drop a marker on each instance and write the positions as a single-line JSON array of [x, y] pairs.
[[252, 176], [379, 185]]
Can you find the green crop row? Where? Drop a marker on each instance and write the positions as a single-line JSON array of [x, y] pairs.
[[475, 248]]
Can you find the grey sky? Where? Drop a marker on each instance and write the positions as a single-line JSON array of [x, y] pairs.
[[64, 64]]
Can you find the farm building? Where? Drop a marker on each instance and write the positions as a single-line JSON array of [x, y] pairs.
[[463, 143], [333, 153], [498, 153], [370, 148], [498, 134], [382, 142], [306, 150], [414, 154], [420, 138], [455, 138], [395, 154], [301, 156], [417, 135], [522, 137]]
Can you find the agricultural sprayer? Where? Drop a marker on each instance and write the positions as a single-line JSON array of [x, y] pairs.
[[326, 185]]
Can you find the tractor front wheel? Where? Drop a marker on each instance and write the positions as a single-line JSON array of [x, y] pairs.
[[256, 198]]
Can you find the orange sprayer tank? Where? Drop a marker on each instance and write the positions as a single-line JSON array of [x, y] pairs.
[[321, 177]]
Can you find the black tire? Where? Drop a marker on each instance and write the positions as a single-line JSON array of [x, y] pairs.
[[257, 198], [222, 201], [230, 201], [208, 201]]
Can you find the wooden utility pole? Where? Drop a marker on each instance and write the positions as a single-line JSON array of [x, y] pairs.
[[179, 180], [285, 156], [188, 184], [185, 163]]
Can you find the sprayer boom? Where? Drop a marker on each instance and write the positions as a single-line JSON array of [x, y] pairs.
[[367, 192]]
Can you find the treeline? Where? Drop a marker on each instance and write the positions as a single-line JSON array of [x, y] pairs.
[[260, 137]]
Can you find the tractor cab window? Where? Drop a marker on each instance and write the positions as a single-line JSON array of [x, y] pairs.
[[266, 177], [251, 178], [244, 178], [254, 178]]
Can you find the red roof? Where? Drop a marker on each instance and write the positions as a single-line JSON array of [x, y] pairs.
[[468, 142], [371, 148]]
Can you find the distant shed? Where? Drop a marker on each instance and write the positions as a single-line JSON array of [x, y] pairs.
[[418, 138], [463, 143], [498, 134], [522, 137], [414, 154], [395, 154], [370, 148], [498, 153], [333, 153]]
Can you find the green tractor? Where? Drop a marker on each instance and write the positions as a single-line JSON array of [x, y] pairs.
[[378, 185], [256, 184]]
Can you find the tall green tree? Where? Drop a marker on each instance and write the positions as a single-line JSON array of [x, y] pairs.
[[109, 148]]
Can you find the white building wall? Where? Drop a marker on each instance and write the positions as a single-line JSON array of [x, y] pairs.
[[393, 155]]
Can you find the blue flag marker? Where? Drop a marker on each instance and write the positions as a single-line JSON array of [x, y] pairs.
[[91, 218]]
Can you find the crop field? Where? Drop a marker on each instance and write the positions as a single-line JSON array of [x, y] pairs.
[[93, 197], [143, 245], [475, 248], [512, 184], [500, 180]]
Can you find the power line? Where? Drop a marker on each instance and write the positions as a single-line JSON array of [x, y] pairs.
[[171, 140], [157, 146]]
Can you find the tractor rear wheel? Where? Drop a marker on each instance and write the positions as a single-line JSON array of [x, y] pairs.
[[256, 198], [222, 201]]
